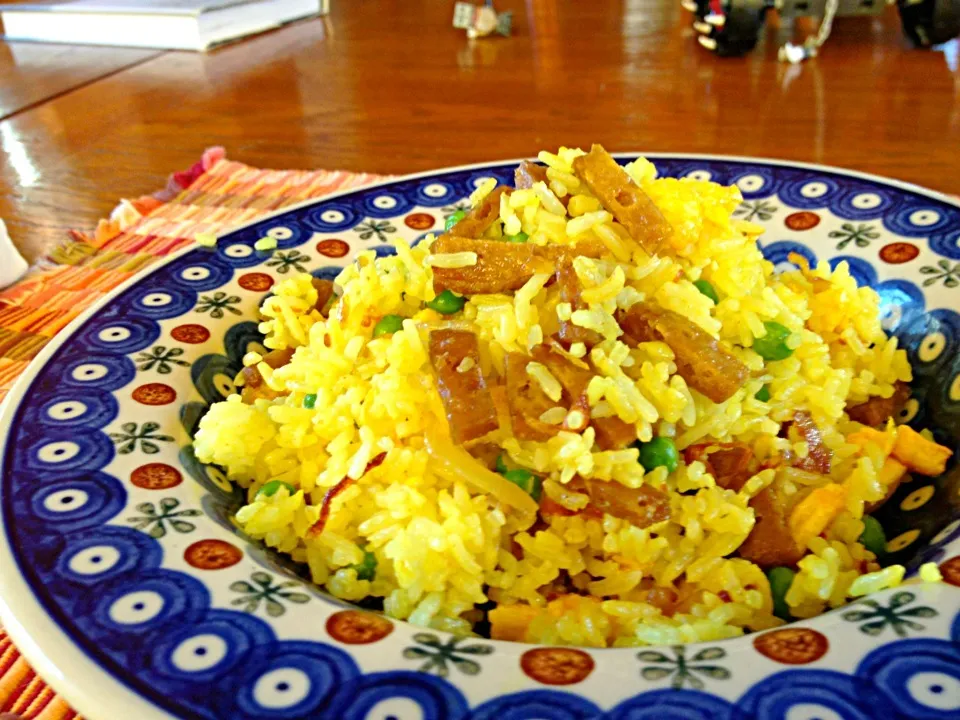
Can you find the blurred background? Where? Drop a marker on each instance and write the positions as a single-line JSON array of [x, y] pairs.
[[391, 86]]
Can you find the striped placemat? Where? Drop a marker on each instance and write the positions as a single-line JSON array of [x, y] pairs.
[[212, 196]]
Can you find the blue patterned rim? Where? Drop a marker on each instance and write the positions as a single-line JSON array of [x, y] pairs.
[[128, 587]]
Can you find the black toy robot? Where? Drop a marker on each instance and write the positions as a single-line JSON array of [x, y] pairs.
[[732, 27]]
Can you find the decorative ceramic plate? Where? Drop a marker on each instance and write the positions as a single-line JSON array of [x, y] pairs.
[[125, 583]]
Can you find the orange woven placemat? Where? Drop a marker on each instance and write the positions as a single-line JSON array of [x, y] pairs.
[[212, 196]]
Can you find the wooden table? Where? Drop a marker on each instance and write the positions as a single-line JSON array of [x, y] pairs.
[[390, 87]]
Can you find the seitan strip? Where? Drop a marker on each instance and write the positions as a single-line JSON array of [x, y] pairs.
[[770, 543], [701, 362], [501, 266], [466, 398], [528, 174], [569, 286], [729, 463], [476, 222], [819, 456], [572, 379], [643, 506], [527, 401], [254, 388], [613, 433], [625, 200], [326, 292], [875, 411]]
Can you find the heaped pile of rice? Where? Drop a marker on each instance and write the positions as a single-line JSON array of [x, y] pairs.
[[588, 413]]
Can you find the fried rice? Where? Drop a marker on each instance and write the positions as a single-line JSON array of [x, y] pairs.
[[367, 454]]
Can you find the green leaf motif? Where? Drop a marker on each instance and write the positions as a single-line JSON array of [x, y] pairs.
[[128, 439], [860, 235], [714, 653], [438, 656], [467, 667], [295, 597], [217, 303], [261, 578], [261, 590], [162, 358], [274, 609], [949, 276], [476, 649], [655, 673], [415, 653], [427, 639], [713, 671], [168, 515], [651, 656], [682, 672], [182, 526], [873, 628], [894, 615], [920, 612]]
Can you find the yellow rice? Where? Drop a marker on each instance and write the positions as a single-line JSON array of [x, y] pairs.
[[442, 547]]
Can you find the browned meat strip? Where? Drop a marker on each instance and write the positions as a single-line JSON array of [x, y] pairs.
[[818, 455], [475, 223], [628, 203], [592, 248], [729, 463], [876, 410], [701, 362], [527, 174], [572, 378], [253, 385], [770, 543], [643, 506], [486, 454], [613, 433], [466, 398], [527, 401], [500, 267], [325, 293], [569, 286]]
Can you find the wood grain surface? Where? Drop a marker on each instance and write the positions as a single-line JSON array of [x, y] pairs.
[[391, 87], [31, 73]]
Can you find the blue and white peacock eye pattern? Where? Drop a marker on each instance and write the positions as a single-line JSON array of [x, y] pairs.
[[127, 540]]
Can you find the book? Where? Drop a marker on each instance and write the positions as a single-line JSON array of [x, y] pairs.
[[164, 24]]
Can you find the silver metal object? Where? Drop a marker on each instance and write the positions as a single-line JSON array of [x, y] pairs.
[[818, 8]]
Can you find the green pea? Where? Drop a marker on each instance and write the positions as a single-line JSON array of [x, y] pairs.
[[367, 568], [501, 465], [447, 303], [520, 237], [525, 480], [388, 325], [706, 288], [661, 451], [873, 538], [270, 489], [773, 345], [309, 401], [781, 578], [763, 394], [454, 219]]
